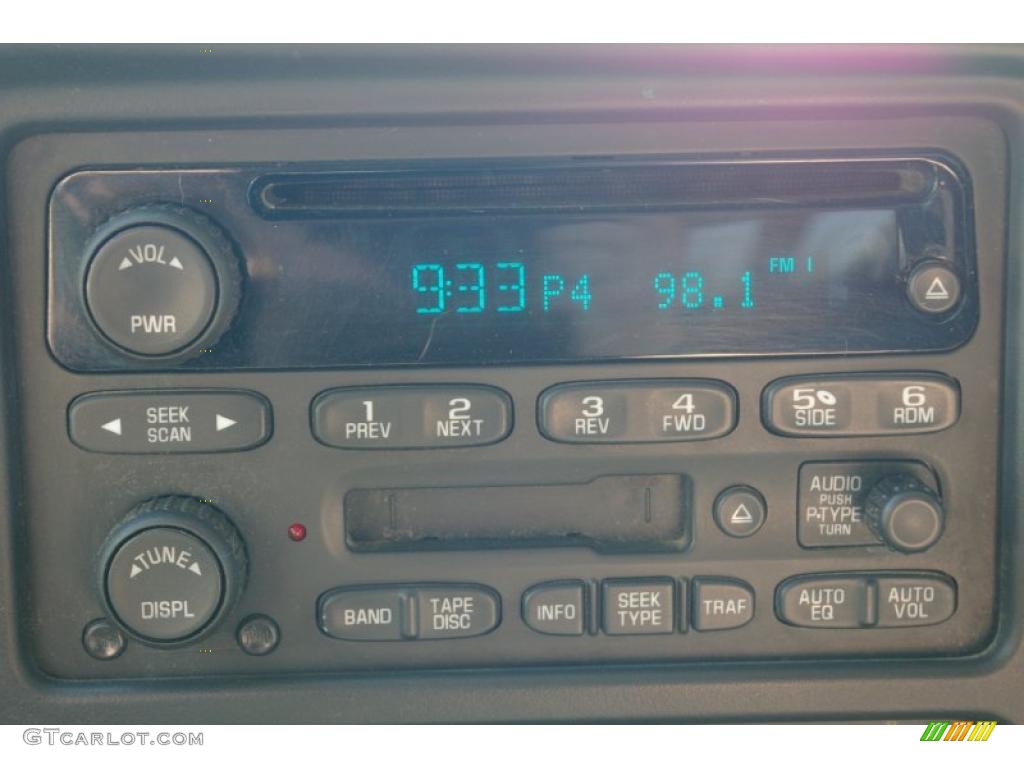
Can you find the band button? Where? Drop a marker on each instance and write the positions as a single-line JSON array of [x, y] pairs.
[[375, 613]]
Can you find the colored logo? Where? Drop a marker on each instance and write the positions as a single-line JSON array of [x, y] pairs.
[[958, 730]]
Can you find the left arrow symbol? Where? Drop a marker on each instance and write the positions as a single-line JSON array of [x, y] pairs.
[[135, 571], [112, 426]]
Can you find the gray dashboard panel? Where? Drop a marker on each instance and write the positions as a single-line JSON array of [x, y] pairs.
[[794, 688]]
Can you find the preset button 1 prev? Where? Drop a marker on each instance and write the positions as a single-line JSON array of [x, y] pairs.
[[169, 421], [429, 416]]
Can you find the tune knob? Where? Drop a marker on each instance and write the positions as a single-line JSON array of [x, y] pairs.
[[162, 281], [172, 569], [905, 513]]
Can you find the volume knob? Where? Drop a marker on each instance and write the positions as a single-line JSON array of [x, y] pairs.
[[172, 569], [905, 513], [163, 281]]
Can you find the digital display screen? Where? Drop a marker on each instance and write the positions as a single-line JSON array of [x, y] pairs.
[[556, 265], [614, 286]]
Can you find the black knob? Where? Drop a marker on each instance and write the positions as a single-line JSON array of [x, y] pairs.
[[905, 513], [163, 282], [171, 570]]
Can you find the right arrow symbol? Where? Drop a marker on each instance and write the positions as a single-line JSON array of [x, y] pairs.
[[742, 515], [223, 422], [112, 426]]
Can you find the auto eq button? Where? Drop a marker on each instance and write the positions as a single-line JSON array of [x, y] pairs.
[[169, 421], [826, 602]]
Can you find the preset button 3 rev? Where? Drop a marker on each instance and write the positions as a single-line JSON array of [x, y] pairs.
[[649, 411]]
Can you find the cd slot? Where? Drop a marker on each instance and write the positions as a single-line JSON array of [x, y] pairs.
[[583, 187], [617, 513]]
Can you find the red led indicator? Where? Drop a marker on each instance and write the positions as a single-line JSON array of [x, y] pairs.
[[296, 531]]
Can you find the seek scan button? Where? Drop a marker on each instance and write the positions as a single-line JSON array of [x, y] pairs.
[[169, 421]]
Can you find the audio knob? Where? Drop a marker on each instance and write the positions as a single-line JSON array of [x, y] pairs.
[[171, 570], [905, 513], [162, 282]]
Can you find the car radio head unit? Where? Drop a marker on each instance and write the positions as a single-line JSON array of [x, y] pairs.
[[675, 404], [487, 262]]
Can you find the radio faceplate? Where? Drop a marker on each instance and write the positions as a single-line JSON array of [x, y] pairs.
[[492, 261], [537, 606]]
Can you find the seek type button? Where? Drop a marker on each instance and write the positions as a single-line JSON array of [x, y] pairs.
[[169, 421], [644, 607]]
